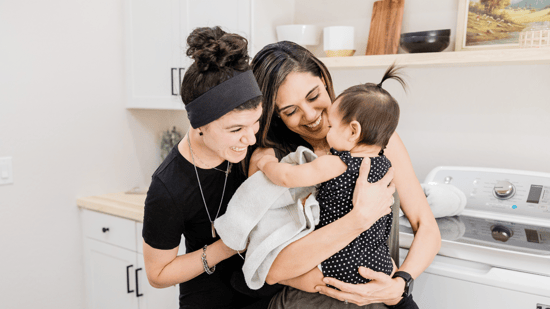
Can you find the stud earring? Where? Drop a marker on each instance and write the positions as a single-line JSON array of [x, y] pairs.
[[200, 133]]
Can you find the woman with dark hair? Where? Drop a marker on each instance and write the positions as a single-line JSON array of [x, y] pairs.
[[193, 185], [298, 92]]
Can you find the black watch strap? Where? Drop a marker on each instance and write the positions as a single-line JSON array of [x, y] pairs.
[[408, 281]]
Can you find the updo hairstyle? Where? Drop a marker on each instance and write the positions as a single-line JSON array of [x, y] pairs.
[[217, 56]]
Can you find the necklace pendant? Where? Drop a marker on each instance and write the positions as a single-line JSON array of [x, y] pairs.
[[213, 231]]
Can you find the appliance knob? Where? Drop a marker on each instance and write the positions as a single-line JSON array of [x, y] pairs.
[[501, 233], [504, 190]]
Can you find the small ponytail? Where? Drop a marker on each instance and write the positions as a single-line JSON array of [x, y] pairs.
[[393, 72], [373, 107]]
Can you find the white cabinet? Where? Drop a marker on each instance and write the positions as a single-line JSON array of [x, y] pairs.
[[154, 53], [110, 276], [156, 33], [232, 15], [114, 268]]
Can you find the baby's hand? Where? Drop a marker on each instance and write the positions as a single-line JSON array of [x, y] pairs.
[[266, 159]]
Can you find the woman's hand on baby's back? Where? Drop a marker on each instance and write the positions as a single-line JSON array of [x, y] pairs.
[[371, 201]]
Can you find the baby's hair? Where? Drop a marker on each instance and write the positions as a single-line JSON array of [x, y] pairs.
[[373, 107]]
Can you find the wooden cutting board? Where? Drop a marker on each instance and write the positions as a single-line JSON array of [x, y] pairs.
[[385, 27]]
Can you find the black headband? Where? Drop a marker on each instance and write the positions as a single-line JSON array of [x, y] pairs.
[[222, 99]]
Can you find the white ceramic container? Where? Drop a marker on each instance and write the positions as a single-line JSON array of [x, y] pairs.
[[301, 34], [338, 38]]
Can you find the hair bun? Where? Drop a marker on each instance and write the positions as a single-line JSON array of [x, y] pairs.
[[214, 49]]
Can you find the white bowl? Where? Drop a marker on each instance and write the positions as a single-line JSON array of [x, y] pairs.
[[300, 34]]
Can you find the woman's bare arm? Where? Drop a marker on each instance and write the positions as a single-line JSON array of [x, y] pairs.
[[306, 282], [165, 268], [427, 240]]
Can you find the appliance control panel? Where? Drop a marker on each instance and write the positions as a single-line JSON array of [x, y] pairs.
[[498, 190]]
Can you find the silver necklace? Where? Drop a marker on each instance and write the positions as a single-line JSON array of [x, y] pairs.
[[194, 155], [200, 188]]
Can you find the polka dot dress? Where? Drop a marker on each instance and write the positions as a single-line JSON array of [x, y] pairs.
[[370, 249]]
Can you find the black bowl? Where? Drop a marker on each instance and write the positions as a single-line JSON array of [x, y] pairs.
[[442, 32], [424, 44]]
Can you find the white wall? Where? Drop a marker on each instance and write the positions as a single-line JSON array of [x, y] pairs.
[[490, 116], [62, 119]]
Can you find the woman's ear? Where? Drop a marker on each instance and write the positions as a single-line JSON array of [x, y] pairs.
[[324, 82], [355, 131]]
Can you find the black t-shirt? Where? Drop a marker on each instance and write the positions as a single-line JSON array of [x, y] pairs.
[[174, 206]]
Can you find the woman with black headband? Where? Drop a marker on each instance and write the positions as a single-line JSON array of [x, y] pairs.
[[193, 185]]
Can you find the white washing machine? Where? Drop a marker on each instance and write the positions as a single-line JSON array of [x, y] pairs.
[[495, 254]]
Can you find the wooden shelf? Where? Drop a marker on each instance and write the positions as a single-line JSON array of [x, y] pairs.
[[461, 58]]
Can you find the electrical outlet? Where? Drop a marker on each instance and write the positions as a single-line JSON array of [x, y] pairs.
[[542, 306], [6, 171]]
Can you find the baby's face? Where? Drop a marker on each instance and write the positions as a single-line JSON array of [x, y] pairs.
[[339, 134]]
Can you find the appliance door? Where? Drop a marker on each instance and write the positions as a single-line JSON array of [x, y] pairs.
[[452, 283]]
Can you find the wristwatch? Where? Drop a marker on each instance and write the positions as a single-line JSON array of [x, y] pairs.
[[409, 282]]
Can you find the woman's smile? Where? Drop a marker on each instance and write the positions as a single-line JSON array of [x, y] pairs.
[[316, 123], [238, 149]]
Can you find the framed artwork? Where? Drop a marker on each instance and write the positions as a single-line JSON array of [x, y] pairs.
[[495, 24]]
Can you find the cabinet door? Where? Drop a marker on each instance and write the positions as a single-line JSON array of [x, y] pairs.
[[150, 297], [154, 53], [110, 276], [232, 15]]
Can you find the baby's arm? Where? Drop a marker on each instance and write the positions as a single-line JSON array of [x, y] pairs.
[[319, 170]]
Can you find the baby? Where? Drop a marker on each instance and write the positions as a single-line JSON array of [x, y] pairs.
[[361, 122]]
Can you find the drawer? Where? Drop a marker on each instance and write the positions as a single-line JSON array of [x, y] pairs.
[[139, 228], [110, 229]]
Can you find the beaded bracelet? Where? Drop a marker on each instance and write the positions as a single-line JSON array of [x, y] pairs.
[[205, 263]]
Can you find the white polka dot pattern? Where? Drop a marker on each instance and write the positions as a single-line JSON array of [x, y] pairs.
[[370, 249]]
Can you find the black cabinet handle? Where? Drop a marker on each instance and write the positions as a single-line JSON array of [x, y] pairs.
[[172, 80], [105, 229], [181, 80], [128, 279], [137, 283]]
